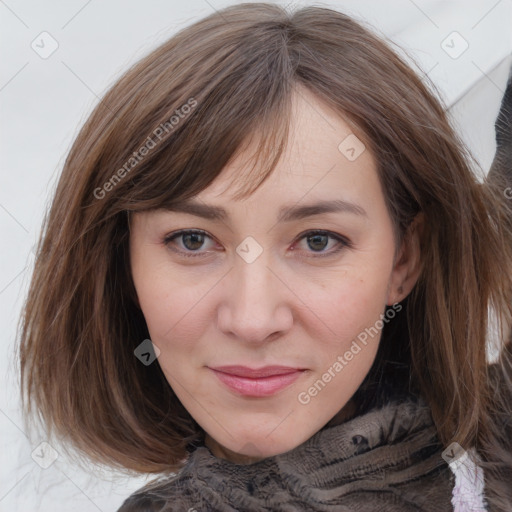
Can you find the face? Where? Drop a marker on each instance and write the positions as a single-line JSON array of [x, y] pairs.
[[268, 318]]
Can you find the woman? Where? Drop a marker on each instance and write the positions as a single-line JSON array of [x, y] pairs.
[[313, 338]]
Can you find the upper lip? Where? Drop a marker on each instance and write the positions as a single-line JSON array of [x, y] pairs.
[[266, 371]]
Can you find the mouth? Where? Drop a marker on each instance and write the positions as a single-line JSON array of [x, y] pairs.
[[259, 382]]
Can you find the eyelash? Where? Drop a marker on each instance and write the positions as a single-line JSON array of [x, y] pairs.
[[343, 242]]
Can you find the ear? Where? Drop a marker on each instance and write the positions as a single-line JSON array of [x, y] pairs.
[[408, 262]]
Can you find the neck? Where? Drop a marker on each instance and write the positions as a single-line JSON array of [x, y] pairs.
[[239, 458], [224, 453]]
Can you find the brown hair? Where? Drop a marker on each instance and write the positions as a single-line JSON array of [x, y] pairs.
[[237, 69]]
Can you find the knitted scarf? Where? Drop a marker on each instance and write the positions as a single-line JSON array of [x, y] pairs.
[[386, 460]]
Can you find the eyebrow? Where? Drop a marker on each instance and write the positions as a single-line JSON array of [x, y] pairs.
[[286, 213]]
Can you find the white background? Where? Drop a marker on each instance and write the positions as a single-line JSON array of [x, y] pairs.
[[44, 102]]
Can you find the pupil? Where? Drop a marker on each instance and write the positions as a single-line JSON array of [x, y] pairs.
[[194, 237], [316, 239]]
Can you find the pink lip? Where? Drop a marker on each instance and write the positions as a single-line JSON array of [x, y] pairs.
[[257, 382]]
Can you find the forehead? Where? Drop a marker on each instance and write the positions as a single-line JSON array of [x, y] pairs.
[[323, 157]]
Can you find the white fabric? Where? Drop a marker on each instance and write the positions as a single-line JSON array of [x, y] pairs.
[[468, 492]]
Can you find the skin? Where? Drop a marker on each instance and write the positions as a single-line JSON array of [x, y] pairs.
[[290, 306]]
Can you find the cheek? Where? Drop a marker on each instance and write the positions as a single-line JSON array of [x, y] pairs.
[[352, 302], [173, 314], [351, 315], [171, 301]]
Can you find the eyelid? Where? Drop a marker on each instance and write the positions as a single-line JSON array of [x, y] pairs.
[[176, 234], [343, 241]]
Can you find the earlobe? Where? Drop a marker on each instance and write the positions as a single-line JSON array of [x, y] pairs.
[[408, 265]]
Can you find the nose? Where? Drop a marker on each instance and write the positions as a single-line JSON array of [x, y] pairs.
[[256, 302]]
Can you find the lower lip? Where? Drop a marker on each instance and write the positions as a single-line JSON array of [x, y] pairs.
[[263, 386]]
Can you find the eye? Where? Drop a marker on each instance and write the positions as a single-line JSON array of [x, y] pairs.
[[191, 241], [317, 240]]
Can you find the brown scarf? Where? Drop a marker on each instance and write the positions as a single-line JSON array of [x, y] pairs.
[[386, 460]]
